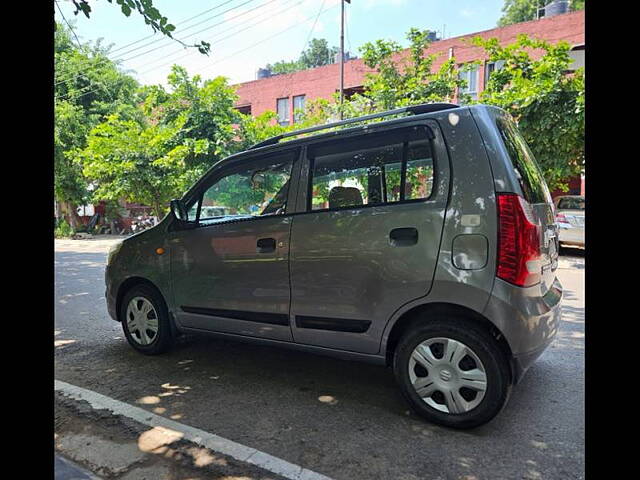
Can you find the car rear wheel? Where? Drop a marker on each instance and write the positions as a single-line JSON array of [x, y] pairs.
[[452, 372], [145, 320]]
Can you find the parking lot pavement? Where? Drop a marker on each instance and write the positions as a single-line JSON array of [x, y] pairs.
[[343, 419]]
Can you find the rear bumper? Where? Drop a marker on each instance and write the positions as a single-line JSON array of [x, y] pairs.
[[571, 236], [528, 320]]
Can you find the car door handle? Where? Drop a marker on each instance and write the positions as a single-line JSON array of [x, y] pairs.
[[403, 237], [266, 245]]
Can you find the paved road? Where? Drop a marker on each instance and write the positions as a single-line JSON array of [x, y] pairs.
[[344, 419]]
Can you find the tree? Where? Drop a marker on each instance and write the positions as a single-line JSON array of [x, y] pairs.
[[207, 113], [547, 103], [316, 54], [400, 79], [406, 78], [136, 162], [149, 13], [88, 87], [252, 130], [516, 11], [177, 137], [283, 66]]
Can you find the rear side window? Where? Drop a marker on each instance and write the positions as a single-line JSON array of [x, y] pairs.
[[372, 170], [528, 172]]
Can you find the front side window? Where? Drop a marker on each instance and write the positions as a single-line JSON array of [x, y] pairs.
[[354, 173], [258, 190], [283, 111]]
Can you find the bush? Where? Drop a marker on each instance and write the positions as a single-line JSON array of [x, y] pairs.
[[63, 230]]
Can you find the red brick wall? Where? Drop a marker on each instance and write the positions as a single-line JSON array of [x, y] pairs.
[[323, 82], [575, 188]]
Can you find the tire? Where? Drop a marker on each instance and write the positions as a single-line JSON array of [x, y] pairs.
[[149, 342], [470, 406]]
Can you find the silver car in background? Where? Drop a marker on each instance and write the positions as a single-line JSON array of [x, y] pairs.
[[570, 219]]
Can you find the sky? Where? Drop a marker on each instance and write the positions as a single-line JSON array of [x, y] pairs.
[[248, 34]]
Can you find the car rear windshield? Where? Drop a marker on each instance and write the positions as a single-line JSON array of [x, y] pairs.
[[529, 175], [571, 203]]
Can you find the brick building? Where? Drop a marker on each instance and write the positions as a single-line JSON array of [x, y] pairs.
[[286, 92], [258, 96]]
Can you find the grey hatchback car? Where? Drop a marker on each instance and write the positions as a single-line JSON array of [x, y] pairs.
[[425, 242]]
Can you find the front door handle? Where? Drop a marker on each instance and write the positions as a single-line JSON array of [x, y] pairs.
[[266, 245], [403, 237]]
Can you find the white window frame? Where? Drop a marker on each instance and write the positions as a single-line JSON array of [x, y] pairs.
[[497, 65], [283, 119], [296, 118], [467, 76]]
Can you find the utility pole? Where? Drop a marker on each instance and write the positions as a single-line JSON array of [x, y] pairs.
[[342, 55]]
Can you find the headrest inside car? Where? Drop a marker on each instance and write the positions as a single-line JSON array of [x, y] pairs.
[[344, 197]]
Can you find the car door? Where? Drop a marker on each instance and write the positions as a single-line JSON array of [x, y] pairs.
[[230, 273], [369, 237]]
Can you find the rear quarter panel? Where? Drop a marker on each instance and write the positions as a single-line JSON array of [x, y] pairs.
[[471, 210]]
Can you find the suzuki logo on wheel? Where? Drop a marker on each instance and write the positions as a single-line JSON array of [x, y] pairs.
[[445, 375]]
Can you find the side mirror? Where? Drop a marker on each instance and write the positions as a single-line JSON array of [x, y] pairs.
[[179, 211]]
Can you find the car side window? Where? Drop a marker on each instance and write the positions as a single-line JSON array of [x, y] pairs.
[[419, 181], [250, 191], [370, 171], [353, 178]]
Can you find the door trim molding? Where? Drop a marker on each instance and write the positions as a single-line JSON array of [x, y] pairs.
[[259, 317], [333, 324]]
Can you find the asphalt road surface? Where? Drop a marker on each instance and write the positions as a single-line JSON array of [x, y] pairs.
[[344, 419]]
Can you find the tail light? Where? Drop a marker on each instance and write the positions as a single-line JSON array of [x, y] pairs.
[[519, 260]]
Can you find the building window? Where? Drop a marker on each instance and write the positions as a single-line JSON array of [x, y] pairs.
[[283, 111], [490, 68], [298, 107], [245, 109], [577, 58], [351, 91], [471, 78]]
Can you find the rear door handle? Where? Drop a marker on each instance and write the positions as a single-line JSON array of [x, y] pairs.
[[266, 245], [403, 237]]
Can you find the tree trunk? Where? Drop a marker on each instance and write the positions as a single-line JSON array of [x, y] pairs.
[[70, 214], [157, 209]]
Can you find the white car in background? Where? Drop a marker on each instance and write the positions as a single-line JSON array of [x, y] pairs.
[[570, 219]]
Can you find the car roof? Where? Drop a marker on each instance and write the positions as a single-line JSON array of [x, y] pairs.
[[277, 146]]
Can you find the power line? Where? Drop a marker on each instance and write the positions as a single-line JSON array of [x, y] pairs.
[[262, 41], [119, 57], [179, 23], [171, 54], [184, 30], [65, 21], [313, 27], [231, 55], [224, 38], [200, 31]]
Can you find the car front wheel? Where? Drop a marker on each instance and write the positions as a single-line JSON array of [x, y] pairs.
[[145, 320]]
